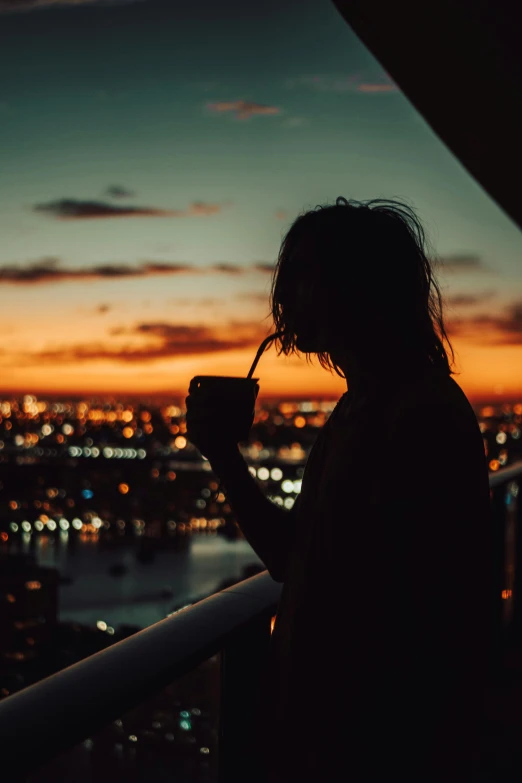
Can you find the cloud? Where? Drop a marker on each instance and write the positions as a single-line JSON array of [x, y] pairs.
[[12, 6], [464, 262], [468, 300], [167, 268], [165, 341], [243, 109], [51, 270], [264, 266], [357, 82], [77, 209], [368, 87], [48, 270], [200, 208], [117, 191], [486, 329], [103, 308], [229, 269]]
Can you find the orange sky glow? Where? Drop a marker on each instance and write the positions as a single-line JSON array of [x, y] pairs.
[[486, 374]]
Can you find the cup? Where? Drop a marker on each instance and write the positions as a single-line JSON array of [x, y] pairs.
[[234, 396]]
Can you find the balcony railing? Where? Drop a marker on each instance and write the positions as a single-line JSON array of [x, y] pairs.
[[46, 719]]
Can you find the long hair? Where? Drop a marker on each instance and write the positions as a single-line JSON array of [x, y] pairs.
[[366, 265]]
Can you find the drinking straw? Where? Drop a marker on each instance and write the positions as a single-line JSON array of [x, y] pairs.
[[262, 348]]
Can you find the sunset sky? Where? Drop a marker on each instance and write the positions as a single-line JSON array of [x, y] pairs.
[[152, 156]]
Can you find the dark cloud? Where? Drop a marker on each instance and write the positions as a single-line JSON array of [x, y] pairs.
[[229, 269], [77, 209], [49, 270], [169, 268], [264, 266], [468, 300], [167, 341], [487, 329], [103, 308], [243, 109], [117, 191], [463, 262]]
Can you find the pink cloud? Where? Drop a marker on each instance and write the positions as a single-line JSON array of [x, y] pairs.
[[243, 109], [376, 87], [357, 82]]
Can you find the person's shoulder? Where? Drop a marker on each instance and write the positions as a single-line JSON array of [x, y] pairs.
[[433, 398]]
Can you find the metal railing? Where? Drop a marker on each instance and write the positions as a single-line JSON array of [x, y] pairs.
[[51, 716], [506, 507]]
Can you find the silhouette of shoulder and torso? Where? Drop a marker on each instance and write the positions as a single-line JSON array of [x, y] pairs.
[[381, 639]]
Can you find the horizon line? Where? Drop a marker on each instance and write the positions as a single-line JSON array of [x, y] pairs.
[[499, 399]]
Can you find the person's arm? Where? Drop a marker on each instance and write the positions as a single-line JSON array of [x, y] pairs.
[[268, 528]]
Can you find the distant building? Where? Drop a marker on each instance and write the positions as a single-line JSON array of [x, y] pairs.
[[28, 607]]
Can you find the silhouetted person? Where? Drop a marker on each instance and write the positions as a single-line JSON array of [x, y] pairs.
[[380, 651]]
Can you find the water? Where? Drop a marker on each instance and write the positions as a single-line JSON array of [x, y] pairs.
[[135, 597]]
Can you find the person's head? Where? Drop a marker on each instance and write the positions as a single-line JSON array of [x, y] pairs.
[[354, 278]]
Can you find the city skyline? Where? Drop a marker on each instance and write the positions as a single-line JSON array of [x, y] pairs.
[[153, 158]]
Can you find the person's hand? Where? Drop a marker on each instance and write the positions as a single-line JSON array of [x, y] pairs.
[[206, 430]]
